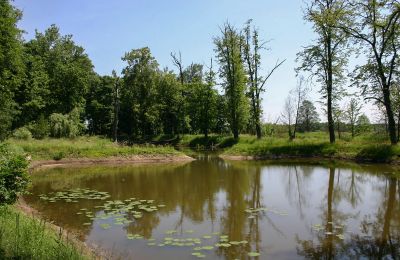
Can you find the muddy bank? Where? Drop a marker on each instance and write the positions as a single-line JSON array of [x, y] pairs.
[[134, 159]]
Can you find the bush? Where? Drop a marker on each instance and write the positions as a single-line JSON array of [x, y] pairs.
[[377, 153], [22, 133], [14, 177], [65, 125], [40, 129]]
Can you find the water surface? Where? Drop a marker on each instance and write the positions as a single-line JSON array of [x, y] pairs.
[[303, 211]]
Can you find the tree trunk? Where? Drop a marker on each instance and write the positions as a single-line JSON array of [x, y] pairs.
[[390, 116], [329, 88], [116, 112]]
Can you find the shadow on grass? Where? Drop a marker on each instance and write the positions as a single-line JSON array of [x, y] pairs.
[[377, 153], [304, 150], [212, 142]]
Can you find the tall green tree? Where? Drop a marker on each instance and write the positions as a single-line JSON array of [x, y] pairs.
[[170, 101], [139, 113], [376, 27], [229, 53], [99, 106], [11, 65], [203, 104], [59, 73], [308, 116], [327, 56], [252, 57]]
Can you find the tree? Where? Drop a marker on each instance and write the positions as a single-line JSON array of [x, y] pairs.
[[116, 104], [99, 106], [252, 57], [203, 104], [376, 28], [229, 54], [363, 124], [170, 102], [352, 113], [338, 117], [308, 116], [59, 74], [326, 58], [139, 113], [11, 65], [292, 108], [288, 115]]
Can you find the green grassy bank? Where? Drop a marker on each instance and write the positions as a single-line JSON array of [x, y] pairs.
[[24, 237], [371, 148], [362, 148], [84, 147]]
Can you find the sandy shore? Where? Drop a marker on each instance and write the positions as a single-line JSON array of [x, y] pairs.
[[134, 159]]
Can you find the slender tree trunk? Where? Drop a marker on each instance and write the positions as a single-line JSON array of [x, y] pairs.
[[257, 119], [390, 115], [329, 88], [116, 113]]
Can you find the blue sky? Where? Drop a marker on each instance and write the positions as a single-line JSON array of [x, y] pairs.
[[107, 29]]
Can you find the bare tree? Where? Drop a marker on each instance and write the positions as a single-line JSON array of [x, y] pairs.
[[353, 111]]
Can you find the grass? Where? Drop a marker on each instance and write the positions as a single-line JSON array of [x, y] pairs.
[[85, 147], [23, 237], [361, 148], [369, 147]]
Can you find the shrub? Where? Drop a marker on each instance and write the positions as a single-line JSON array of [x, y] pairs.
[[65, 125], [40, 128], [377, 153], [14, 178], [22, 133]]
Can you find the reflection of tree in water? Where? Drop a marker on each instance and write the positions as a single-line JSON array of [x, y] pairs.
[[244, 191], [295, 180], [378, 239], [381, 238]]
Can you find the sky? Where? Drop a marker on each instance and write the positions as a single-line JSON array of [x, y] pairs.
[[108, 29]]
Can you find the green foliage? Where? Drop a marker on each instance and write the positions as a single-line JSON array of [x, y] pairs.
[[377, 153], [40, 128], [22, 133], [308, 117], [23, 237], [228, 49], [65, 125], [100, 105], [86, 147], [139, 113], [14, 178], [11, 66], [363, 125]]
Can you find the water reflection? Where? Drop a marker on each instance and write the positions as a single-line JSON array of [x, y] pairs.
[[331, 212]]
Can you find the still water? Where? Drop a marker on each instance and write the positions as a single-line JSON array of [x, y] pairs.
[[227, 210]]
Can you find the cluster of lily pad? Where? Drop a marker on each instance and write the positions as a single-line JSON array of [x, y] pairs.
[[121, 210], [199, 245], [337, 230], [74, 195], [255, 211]]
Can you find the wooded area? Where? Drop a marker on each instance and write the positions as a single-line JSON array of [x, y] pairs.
[[49, 86]]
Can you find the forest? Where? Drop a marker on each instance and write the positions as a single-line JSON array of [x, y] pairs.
[[49, 86]]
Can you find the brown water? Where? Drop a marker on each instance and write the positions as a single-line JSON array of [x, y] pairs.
[[308, 211]]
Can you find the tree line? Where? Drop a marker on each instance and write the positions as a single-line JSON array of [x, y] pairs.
[[48, 86]]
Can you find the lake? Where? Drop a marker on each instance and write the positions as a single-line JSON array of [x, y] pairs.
[[216, 209]]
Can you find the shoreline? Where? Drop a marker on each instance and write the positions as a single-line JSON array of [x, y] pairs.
[[311, 159], [134, 159], [68, 236]]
